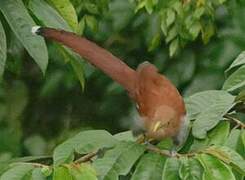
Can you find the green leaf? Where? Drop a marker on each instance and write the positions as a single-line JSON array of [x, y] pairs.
[[229, 156], [178, 7], [208, 31], [149, 6], [87, 172], [81, 26], [174, 46], [195, 29], [67, 11], [140, 6], [76, 62], [215, 169], [92, 8], [190, 169], [37, 174], [77, 66], [52, 19], [83, 172], [91, 22], [216, 136], [234, 139], [207, 108], [164, 27], [150, 167], [21, 24], [221, 1], [119, 160], [84, 142], [47, 171], [167, 143], [171, 34], [171, 169], [30, 158], [236, 80], [189, 20], [240, 60], [17, 172], [198, 12], [35, 144], [62, 173], [125, 136], [3, 50], [208, 120], [4, 166], [243, 137], [198, 102], [48, 15], [155, 42], [170, 17]]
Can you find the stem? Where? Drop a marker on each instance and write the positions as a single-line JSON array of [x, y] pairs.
[[38, 165], [237, 121], [159, 151], [86, 157]]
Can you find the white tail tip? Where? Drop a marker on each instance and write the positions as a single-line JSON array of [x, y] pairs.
[[35, 29]]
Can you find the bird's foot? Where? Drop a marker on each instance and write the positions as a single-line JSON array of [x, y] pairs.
[[174, 152], [143, 139]]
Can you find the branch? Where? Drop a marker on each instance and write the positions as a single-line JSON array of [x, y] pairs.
[[167, 152], [159, 151]]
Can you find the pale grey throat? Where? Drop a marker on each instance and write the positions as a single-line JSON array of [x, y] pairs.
[[181, 137], [138, 125]]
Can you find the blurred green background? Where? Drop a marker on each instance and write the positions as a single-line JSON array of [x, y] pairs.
[[37, 112]]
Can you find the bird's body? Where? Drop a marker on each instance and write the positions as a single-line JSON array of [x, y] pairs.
[[158, 102]]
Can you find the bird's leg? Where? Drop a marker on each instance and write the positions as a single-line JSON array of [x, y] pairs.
[[143, 139], [174, 149]]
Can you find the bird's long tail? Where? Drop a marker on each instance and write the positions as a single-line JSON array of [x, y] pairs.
[[99, 57]]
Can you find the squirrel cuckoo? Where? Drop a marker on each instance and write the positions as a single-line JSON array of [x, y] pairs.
[[158, 102]]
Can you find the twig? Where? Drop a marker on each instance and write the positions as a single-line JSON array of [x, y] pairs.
[[86, 157], [143, 140], [159, 151], [167, 152], [237, 121], [37, 165]]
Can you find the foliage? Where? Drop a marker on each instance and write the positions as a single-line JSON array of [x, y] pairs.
[[38, 112], [181, 21], [21, 23], [177, 21], [96, 154]]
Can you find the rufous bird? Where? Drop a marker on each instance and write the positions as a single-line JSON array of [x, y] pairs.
[[157, 100]]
